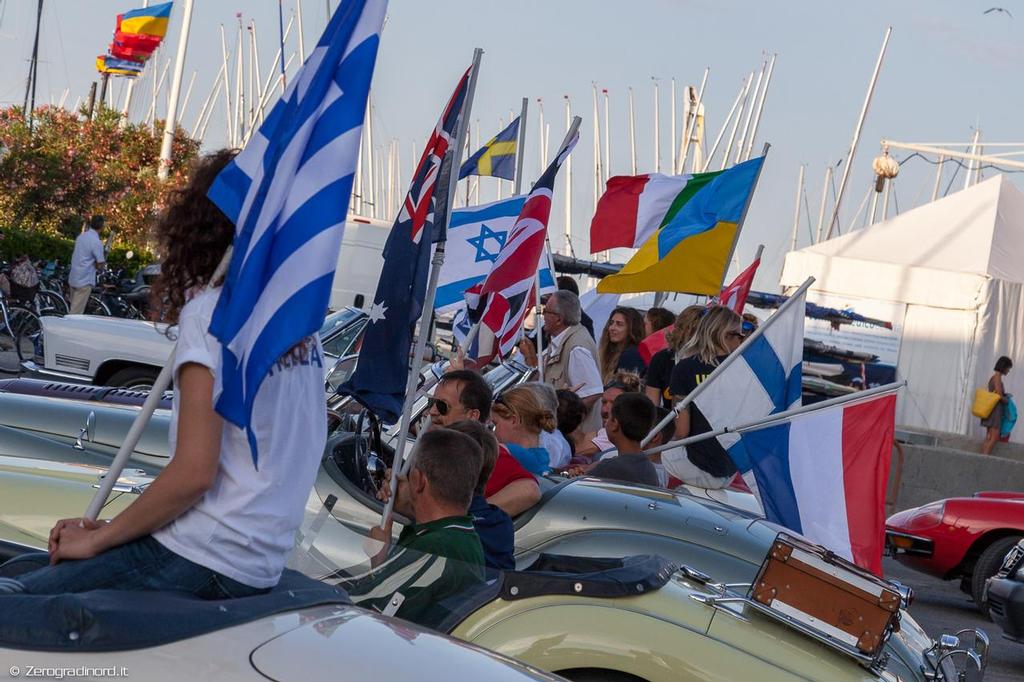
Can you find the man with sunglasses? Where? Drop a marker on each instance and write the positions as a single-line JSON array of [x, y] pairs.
[[464, 394]]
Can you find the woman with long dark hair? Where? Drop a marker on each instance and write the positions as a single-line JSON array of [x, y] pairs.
[[212, 524], [617, 349]]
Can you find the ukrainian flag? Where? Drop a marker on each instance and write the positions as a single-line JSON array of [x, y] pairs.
[[497, 158], [690, 251], [150, 21]]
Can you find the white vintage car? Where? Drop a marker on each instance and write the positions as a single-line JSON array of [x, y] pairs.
[[109, 351]]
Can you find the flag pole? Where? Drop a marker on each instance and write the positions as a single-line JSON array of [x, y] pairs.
[[743, 216], [517, 189], [166, 145], [778, 417], [399, 463], [160, 385], [685, 402]]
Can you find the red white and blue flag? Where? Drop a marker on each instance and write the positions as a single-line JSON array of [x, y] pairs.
[[501, 302], [824, 474], [380, 376]]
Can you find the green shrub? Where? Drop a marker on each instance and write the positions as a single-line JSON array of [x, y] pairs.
[[43, 246]]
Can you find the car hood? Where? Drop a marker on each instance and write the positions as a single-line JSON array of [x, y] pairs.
[[109, 325], [596, 510], [366, 646]]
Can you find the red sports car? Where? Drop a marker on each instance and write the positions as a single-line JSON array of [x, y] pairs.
[[959, 537]]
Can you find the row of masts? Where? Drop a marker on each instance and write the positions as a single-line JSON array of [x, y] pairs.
[[379, 177]]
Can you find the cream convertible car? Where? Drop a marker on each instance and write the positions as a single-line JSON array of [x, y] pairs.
[[663, 621]]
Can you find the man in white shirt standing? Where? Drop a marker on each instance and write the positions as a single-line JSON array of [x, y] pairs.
[[86, 259]]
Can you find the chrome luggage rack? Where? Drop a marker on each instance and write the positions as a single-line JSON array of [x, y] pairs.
[[942, 656]]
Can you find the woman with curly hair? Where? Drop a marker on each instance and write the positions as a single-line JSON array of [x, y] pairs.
[[617, 349], [519, 417], [211, 524]]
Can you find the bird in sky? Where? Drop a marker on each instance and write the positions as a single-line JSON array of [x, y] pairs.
[[998, 9]]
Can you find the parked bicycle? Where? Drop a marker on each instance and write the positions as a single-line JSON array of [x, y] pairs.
[[21, 336]]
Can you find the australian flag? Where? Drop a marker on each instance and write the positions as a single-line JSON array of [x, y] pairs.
[[383, 367], [287, 193]]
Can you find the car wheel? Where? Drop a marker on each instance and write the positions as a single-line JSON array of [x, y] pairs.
[[987, 565], [134, 378]]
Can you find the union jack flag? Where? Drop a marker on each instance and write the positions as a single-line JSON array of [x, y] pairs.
[[380, 376], [500, 303], [423, 206]]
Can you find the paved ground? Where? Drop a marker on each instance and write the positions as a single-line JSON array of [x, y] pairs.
[[940, 607]]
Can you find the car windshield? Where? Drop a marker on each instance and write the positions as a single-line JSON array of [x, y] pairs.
[[430, 590], [337, 319]]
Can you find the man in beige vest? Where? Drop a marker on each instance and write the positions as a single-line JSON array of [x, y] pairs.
[[570, 358]]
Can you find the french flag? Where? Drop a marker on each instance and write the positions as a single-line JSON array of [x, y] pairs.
[[824, 474]]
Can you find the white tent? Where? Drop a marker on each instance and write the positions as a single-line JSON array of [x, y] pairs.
[[957, 266]]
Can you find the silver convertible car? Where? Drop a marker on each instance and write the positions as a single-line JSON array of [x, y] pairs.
[[56, 443]]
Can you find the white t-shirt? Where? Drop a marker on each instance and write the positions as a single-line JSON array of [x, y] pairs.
[[88, 252], [559, 452], [244, 526]]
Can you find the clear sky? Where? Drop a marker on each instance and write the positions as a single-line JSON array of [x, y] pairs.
[[949, 68]]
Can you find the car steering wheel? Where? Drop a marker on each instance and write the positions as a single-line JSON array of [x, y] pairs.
[[359, 452]]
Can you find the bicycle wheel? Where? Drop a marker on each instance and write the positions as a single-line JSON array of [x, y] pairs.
[[96, 306], [20, 329], [28, 341], [51, 303]]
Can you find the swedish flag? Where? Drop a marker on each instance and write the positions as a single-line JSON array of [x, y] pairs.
[[497, 158]]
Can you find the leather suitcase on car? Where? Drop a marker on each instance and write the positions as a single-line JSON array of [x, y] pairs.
[[826, 593]]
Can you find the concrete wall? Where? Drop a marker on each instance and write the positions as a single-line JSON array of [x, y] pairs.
[[932, 473]]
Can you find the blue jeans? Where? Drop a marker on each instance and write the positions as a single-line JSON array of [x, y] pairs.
[[140, 565]]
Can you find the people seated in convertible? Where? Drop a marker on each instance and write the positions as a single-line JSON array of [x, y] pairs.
[[436, 492], [631, 419], [213, 523]]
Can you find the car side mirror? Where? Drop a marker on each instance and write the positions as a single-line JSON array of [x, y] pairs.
[[86, 432]]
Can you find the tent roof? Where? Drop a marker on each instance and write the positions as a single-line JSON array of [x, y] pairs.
[[936, 254], [979, 230]]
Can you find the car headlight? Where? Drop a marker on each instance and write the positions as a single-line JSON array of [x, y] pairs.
[[928, 516]]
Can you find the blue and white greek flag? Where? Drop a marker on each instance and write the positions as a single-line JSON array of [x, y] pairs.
[[287, 193], [764, 380], [475, 237]]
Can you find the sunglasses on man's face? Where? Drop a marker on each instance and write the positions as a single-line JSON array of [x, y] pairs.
[[441, 406]]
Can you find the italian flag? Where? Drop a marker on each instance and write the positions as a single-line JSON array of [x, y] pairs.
[[633, 207]]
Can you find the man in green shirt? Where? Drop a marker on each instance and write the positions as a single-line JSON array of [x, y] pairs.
[[439, 558]]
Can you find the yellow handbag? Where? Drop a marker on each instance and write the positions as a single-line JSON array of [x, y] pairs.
[[984, 402]]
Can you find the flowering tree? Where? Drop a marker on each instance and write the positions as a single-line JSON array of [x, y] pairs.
[[69, 167]]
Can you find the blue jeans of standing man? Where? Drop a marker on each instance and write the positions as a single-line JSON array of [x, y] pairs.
[[140, 565]]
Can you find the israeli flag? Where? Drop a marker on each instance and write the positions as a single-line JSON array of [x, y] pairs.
[[764, 378], [475, 237], [287, 193]]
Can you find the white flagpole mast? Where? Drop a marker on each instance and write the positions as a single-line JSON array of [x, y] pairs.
[[725, 126], [833, 223], [130, 89], [685, 402], [796, 211], [400, 463], [568, 185], [760, 107], [750, 114], [657, 128], [607, 139], [232, 141], [632, 136], [736, 123], [693, 124], [172, 107], [672, 126]]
